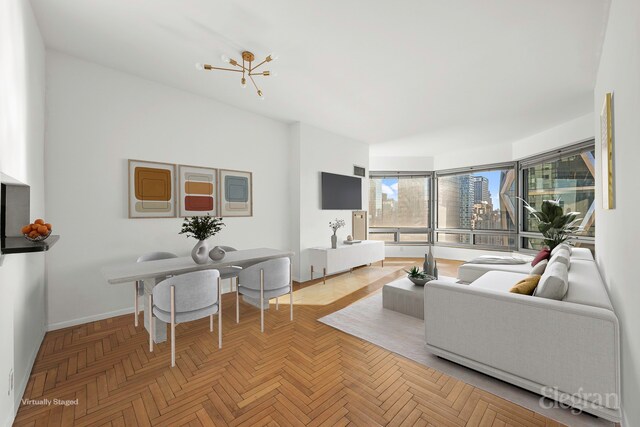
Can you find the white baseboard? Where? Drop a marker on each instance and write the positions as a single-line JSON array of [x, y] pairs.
[[226, 287], [81, 320], [20, 385]]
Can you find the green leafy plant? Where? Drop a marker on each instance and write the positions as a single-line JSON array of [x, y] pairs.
[[555, 225], [416, 273], [201, 227]]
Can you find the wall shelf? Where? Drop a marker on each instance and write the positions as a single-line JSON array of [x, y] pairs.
[[20, 245]]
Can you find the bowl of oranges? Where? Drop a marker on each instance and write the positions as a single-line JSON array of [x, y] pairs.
[[37, 231]]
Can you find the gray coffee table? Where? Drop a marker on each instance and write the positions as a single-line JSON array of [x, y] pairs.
[[404, 297]]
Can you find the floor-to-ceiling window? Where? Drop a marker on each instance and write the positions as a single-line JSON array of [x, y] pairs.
[[399, 207], [477, 207], [567, 176]]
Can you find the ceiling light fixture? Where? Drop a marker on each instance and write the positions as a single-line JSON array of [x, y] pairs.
[[246, 68]]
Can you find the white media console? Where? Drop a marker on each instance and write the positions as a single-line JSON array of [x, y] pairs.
[[345, 257]]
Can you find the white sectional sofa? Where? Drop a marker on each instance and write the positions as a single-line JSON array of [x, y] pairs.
[[566, 349]]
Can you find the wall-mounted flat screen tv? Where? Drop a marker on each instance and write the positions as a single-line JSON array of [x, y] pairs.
[[341, 192]]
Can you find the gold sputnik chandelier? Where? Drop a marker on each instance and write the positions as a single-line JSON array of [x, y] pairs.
[[246, 68]]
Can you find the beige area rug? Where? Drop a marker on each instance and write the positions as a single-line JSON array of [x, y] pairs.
[[404, 335]]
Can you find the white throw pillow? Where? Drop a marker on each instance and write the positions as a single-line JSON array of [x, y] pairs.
[[561, 246], [561, 256], [554, 283], [539, 268]]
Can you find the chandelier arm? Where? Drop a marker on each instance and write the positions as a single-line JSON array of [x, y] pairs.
[[260, 73], [241, 66], [262, 63], [254, 83], [210, 67]]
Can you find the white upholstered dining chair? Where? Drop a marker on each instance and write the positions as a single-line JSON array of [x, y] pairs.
[[139, 285], [268, 279], [185, 298]]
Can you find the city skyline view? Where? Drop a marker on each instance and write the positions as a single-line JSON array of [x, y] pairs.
[[390, 186]]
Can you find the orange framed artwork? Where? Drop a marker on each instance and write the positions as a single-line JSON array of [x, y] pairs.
[[152, 192]]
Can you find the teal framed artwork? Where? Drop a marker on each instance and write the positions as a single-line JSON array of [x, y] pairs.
[[236, 193]]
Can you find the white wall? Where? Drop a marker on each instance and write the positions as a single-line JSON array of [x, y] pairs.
[[318, 151], [571, 132], [400, 163], [478, 156], [22, 311], [97, 119], [617, 236]]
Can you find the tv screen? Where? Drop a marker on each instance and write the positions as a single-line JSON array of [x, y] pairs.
[[341, 192]]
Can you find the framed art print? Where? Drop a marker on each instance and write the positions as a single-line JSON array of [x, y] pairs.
[[198, 191], [236, 193], [606, 151], [152, 192]]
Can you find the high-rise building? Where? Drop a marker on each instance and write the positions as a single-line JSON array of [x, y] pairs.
[[481, 189], [413, 197]]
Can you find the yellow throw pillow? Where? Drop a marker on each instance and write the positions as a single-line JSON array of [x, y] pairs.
[[526, 286]]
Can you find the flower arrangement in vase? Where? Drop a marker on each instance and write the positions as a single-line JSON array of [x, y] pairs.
[[335, 225], [201, 228]]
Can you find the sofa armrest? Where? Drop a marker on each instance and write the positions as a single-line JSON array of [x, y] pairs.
[[557, 344]]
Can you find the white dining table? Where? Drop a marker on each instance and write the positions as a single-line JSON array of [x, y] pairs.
[[147, 272]]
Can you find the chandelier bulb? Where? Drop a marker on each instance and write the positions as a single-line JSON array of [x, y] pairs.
[[225, 58], [199, 66], [243, 83], [260, 94]]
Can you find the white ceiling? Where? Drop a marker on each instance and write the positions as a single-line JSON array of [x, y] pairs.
[[411, 77]]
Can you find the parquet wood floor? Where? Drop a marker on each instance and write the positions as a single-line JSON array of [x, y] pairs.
[[296, 373]]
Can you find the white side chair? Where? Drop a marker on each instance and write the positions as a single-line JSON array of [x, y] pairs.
[[139, 285], [185, 298], [268, 279]]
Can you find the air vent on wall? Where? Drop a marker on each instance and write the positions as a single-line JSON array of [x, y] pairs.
[[359, 171]]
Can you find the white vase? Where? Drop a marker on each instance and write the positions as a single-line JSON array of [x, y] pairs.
[[200, 252]]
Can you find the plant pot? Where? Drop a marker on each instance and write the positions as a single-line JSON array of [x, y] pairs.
[[217, 253], [334, 241], [420, 282], [200, 252]]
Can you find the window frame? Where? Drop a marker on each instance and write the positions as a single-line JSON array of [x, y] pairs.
[[398, 231], [518, 233], [570, 150], [470, 232]]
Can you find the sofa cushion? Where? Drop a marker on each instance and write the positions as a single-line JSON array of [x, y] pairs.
[[501, 281], [543, 254], [561, 256], [581, 253], [554, 283], [539, 268], [467, 273], [560, 247], [526, 286], [586, 286]]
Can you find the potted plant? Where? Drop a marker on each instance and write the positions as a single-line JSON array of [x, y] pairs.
[[555, 225], [201, 228], [418, 277], [335, 225]]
